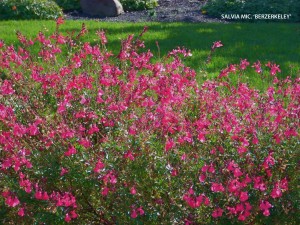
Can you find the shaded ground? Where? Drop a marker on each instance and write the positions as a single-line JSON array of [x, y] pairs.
[[167, 11]]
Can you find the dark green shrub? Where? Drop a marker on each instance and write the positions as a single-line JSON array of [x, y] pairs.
[[219, 7], [29, 9], [68, 4], [133, 5]]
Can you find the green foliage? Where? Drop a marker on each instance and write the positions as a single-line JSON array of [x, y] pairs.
[[218, 7], [29, 9], [68, 4], [134, 5]]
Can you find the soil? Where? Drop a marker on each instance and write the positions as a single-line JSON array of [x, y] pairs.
[[167, 11]]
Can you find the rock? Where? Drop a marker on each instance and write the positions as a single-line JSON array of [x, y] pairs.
[[101, 7]]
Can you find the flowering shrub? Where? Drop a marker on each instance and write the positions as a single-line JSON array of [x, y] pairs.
[[135, 5], [68, 4], [89, 137], [29, 9]]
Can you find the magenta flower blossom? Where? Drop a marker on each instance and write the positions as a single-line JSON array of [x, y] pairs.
[[215, 187], [243, 64], [7, 88], [265, 206], [257, 66], [217, 44], [217, 213], [21, 212]]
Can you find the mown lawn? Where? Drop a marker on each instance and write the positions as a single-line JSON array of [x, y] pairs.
[[279, 43]]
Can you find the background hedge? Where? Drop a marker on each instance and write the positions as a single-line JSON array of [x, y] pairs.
[[218, 7], [68, 4], [29, 9], [133, 5]]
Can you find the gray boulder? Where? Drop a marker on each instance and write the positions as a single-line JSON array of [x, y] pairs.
[[101, 7]]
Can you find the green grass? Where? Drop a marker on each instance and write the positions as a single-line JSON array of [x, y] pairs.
[[279, 43]]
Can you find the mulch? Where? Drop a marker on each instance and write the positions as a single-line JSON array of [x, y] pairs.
[[167, 11]]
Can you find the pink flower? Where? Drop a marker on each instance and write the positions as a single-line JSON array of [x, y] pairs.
[[243, 64], [26, 184], [265, 206], [201, 137], [216, 44], [244, 196], [232, 165], [174, 172], [242, 217], [232, 68], [93, 129], [12, 201], [246, 181], [269, 161], [283, 184], [132, 190], [60, 21], [187, 222], [6, 194], [99, 166], [291, 133], [242, 149], [169, 144], [19, 130], [213, 151], [132, 130], [217, 213], [255, 140], [33, 129], [6, 88], [274, 68], [67, 133], [63, 171], [133, 214], [276, 193], [85, 142], [102, 36], [224, 73], [183, 157], [71, 151], [202, 178], [21, 212], [140, 211], [129, 155], [193, 201], [38, 195], [205, 168], [68, 218], [221, 149], [206, 201], [248, 206], [259, 184], [211, 168], [45, 196], [257, 66], [217, 187], [237, 172], [105, 191], [73, 214], [234, 186]]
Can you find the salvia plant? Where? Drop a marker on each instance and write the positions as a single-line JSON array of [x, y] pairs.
[[88, 137]]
